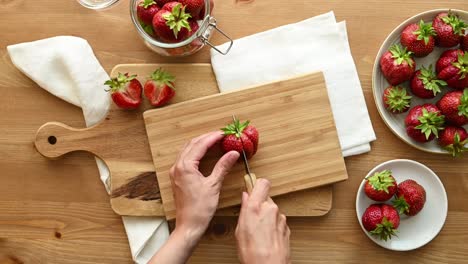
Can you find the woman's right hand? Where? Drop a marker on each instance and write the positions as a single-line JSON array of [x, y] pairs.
[[262, 233]]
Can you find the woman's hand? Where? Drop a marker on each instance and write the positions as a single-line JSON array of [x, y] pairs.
[[262, 233]]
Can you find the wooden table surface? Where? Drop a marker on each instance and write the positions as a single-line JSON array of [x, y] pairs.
[[58, 211]]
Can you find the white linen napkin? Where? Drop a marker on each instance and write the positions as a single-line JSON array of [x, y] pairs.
[[315, 44], [67, 68]]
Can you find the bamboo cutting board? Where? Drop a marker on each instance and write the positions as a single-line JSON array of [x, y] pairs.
[[298, 147], [120, 140]]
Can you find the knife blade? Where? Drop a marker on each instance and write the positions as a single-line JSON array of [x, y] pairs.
[[249, 177]]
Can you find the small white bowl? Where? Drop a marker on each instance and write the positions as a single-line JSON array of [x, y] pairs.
[[415, 231], [396, 123]]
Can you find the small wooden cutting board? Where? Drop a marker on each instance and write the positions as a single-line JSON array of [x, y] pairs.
[[298, 147]]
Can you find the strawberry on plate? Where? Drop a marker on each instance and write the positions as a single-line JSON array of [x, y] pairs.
[[418, 38], [396, 99], [454, 106], [194, 7], [425, 84], [452, 67], [381, 220], [397, 65], [424, 122], [381, 186], [411, 197], [172, 25], [146, 10], [237, 133], [160, 88], [454, 140], [449, 28], [125, 91]]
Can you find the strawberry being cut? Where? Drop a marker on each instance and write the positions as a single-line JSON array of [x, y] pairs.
[[454, 140], [125, 91], [397, 65], [172, 25], [449, 28], [146, 10], [424, 122], [237, 133], [418, 38], [194, 7], [452, 67], [411, 198], [454, 106], [425, 84], [396, 99], [381, 220], [381, 186], [160, 88]]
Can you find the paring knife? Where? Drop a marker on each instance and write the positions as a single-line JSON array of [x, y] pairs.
[[249, 177]]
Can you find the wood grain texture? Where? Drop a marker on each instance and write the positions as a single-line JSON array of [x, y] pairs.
[[298, 146], [42, 190]]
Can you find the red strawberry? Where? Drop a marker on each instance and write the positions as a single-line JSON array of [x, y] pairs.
[[397, 65], [452, 67], [449, 29], [381, 186], [237, 133], [203, 10], [411, 198], [454, 106], [125, 91], [161, 3], [170, 5], [193, 6], [464, 43], [424, 83], [172, 26], [418, 38], [454, 140], [396, 99], [381, 220], [424, 122], [159, 88], [146, 10]]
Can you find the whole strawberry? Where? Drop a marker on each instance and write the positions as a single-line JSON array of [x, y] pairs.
[[125, 91], [173, 25], [449, 29], [464, 43], [454, 106], [424, 122], [418, 38], [240, 136], [396, 99], [381, 186], [411, 198], [425, 84], [452, 67], [381, 220], [194, 7], [160, 88], [397, 65], [454, 140], [146, 10]]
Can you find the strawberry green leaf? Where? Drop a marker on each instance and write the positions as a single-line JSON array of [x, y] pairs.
[[235, 128], [398, 99], [462, 65], [456, 23], [430, 80], [177, 19], [119, 82], [425, 31], [458, 147], [401, 205], [381, 181], [162, 77], [463, 107], [431, 123], [384, 230], [401, 54], [147, 3], [147, 28]]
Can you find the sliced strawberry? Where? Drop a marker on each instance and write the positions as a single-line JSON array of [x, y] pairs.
[[236, 133], [125, 91], [160, 88]]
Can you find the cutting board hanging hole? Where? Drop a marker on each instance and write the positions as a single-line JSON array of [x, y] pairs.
[[52, 140]]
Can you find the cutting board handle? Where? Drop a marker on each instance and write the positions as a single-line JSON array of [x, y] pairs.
[[55, 139]]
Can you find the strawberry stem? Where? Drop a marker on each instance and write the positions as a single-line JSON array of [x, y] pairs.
[[162, 77], [398, 99], [384, 230], [455, 22], [381, 181], [401, 54], [431, 123], [235, 128], [401, 205], [457, 148], [177, 19], [430, 80], [118, 83], [425, 31], [463, 107]]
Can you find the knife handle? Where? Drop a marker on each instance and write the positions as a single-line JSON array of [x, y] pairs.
[[249, 184]]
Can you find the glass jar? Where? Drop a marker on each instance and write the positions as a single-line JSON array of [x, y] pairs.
[[186, 47]]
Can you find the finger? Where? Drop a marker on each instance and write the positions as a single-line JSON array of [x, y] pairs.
[[182, 150], [224, 165], [260, 191], [282, 223], [200, 145]]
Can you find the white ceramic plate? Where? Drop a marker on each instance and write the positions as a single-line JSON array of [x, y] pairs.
[[379, 83], [418, 230]]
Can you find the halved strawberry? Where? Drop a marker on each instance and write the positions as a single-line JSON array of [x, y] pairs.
[[125, 91], [160, 88]]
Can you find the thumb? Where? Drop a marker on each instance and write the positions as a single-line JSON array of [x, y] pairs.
[[224, 165]]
